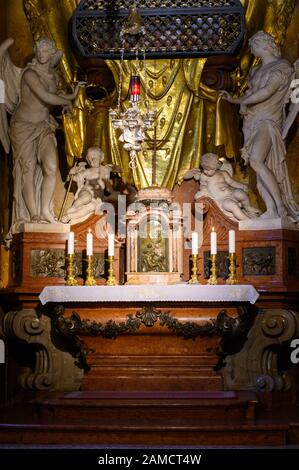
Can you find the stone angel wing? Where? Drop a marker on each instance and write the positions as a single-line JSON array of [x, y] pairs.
[[226, 166], [10, 84], [294, 105]]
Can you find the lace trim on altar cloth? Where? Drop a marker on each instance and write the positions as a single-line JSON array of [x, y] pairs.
[[150, 293]]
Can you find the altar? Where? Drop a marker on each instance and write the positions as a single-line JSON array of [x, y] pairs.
[[150, 337], [149, 262], [150, 294]]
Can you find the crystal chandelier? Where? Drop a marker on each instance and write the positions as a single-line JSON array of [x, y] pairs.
[[132, 122]]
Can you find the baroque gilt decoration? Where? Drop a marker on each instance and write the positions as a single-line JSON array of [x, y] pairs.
[[197, 103], [259, 261], [174, 28], [51, 263], [172, 84], [224, 325], [222, 263]]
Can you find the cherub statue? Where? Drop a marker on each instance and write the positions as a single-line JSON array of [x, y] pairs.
[[29, 94], [217, 183], [91, 185], [263, 110]]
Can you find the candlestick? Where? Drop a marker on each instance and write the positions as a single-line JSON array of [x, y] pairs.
[[193, 279], [90, 280], [71, 243], [110, 244], [89, 243], [194, 243], [70, 277], [213, 277], [111, 281], [232, 269], [213, 239], [232, 241]]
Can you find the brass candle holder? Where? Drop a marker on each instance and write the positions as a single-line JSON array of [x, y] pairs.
[[111, 281], [90, 280], [70, 268], [213, 277], [194, 279], [232, 269]]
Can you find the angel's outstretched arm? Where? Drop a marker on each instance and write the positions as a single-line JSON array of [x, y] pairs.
[[34, 83]]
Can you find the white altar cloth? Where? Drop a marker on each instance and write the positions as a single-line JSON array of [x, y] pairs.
[[150, 293]]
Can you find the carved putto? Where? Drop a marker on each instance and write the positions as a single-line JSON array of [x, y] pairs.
[[91, 185], [216, 182]]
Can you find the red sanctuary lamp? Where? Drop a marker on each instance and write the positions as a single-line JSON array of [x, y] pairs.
[[135, 89]]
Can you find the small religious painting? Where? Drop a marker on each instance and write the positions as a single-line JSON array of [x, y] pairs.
[[153, 247]]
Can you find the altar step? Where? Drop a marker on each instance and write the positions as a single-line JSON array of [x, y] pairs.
[[294, 433], [148, 407], [134, 434], [150, 418]]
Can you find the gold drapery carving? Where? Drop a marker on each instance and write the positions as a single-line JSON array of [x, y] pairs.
[[50, 18], [191, 117]]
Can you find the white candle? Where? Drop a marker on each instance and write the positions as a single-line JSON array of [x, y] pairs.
[[213, 242], [110, 244], [89, 243], [232, 241], [70, 243], [194, 243]]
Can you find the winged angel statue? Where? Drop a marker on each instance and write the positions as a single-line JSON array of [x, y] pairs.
[[29, 94], [265, 127]]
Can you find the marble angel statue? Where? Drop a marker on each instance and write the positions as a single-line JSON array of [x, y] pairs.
[[264, 126], [217, 182], [29, 95]]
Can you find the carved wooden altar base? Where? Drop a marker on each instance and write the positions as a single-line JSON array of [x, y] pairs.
[[151, 357], [267, 259], [37, 257]]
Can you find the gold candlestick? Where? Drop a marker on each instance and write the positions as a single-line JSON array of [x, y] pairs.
[[70, 264], [213, 277], [232, 269], [111, 281], [193, 279], [90, 280]]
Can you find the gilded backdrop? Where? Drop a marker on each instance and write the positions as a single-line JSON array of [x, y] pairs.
[[191, 119]]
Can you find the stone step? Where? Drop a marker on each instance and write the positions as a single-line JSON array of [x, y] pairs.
[[136, 434], [146, 407]]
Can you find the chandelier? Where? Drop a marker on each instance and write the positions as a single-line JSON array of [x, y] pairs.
[[132, 122]]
